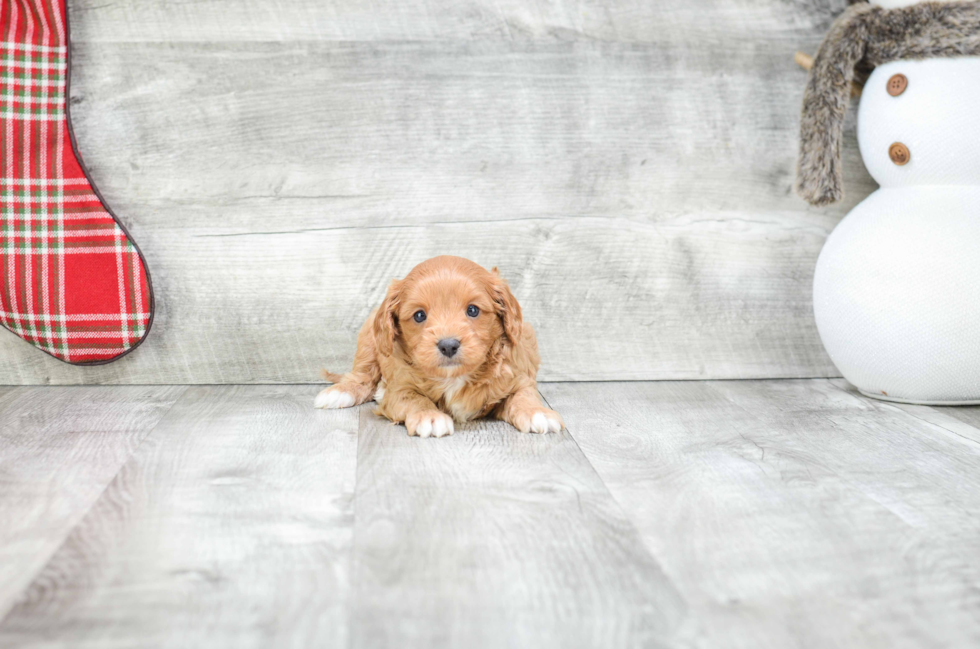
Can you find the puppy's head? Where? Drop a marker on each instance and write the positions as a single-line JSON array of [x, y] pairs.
[[447, 313]]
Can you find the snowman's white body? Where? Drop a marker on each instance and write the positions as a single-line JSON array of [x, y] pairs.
[[897, 286]]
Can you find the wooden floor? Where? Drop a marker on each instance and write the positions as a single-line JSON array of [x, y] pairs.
[[685, 514]]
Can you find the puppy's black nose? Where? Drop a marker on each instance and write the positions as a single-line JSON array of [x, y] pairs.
[[448, 347]]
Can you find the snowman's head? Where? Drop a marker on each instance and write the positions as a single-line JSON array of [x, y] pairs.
[[894, 4], [896, 29]]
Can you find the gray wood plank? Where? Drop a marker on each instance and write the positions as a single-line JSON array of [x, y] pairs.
[[229, 527], [59, 448], [637, 195], [959, 423], [792, 513], [963, 421], [494, 538], [402, 20]]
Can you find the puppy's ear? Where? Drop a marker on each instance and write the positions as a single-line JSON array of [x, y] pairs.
[[508, 310], [386, 319]]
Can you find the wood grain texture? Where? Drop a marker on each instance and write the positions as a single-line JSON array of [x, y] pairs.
[[59, 448], [229, 527], [961, 421], [430, 20], [792, 513], [494, 538], [627, 165]]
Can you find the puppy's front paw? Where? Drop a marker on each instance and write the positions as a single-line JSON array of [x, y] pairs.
[[429, 423], [334, 397], [539, 420]]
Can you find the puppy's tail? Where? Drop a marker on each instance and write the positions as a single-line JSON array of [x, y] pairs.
[[331, 377]]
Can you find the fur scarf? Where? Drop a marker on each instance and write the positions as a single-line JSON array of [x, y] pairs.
[[863, 37]]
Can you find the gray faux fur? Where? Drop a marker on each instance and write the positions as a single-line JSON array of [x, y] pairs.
[[863, 37]]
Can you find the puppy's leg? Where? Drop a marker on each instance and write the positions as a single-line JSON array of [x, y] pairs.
[[358, 385], [420, 415], [524, 411]]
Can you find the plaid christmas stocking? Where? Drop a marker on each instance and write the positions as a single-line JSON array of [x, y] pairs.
[[72, 282]]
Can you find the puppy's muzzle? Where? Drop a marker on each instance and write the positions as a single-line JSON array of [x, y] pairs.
[[448, 347]]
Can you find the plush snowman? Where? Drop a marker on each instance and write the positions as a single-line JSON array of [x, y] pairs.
[[897, 286]]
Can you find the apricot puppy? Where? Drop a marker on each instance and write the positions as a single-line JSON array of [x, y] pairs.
[[448, 343]]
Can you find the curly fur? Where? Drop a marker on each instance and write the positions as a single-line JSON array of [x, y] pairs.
[[399, 364], [863, 37]]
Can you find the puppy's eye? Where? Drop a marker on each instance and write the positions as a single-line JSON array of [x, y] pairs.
[[472, 311], [419, 316]]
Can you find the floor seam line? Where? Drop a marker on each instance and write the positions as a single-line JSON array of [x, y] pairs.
[[95, 501], [622, 510], [962, 438], [353, 530]]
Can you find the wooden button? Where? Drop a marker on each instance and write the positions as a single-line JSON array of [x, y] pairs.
[[897, 85], [899, 153]]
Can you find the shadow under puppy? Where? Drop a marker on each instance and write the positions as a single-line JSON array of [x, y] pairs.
[[448, 343]]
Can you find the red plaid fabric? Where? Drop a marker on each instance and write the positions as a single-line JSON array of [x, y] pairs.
[[72, 283]]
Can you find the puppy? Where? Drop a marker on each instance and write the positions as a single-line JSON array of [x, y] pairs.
[[448, 343]]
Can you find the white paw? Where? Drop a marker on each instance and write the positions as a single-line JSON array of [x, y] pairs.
[[330, 398], [433, 424], [545, 423], [379, 392]]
